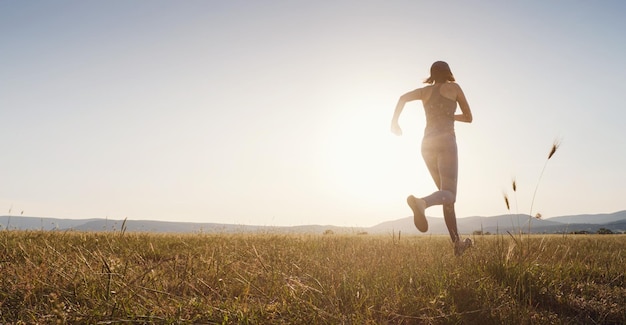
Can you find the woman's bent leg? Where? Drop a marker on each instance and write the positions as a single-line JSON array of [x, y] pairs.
[[441, 159], [442, 163]]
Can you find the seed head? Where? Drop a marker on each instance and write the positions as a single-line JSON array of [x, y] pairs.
[[555, 146], [506, 201], [538, 216], [514, 185]]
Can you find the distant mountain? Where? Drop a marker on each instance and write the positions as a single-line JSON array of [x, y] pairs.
[[34, 223], [495, 224], [514, 223], [592, 218]]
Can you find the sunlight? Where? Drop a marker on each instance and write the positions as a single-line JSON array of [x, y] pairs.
[[366, 162]]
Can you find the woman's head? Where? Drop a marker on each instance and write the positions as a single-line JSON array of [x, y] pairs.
[[439, 72]]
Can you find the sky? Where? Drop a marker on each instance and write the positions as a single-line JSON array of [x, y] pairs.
[[278, 112]]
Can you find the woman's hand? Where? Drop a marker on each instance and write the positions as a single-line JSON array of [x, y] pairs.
[[395, 128]]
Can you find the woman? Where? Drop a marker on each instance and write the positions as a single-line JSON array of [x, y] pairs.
[[439, 148]]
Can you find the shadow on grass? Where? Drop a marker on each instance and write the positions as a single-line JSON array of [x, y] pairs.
[[531, 287]]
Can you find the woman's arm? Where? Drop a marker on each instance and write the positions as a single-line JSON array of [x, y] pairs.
[[410, 96], [466, 112]]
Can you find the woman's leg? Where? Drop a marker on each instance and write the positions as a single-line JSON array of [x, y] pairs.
[[442, 161], [450, 217]]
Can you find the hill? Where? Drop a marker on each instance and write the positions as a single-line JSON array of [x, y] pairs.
[[616, 222]]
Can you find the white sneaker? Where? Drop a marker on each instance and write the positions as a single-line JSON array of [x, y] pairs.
[[419, 216], [461, 246]]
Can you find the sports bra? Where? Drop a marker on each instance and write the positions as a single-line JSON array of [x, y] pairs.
[[439, 113]]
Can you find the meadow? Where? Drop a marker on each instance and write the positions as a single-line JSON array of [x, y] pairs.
[[264, 278]]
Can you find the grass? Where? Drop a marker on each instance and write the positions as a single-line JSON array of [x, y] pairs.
[[75, 277]]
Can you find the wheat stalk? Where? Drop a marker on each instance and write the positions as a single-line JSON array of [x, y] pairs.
[[555, 146]]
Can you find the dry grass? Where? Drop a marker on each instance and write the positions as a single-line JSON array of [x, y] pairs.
[[317, 279]]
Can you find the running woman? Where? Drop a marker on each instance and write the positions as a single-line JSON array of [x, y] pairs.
[[439, 148]]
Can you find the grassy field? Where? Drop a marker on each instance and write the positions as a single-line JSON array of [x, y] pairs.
[[73, 277]]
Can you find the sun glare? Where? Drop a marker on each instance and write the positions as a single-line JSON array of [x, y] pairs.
[[365, 161]]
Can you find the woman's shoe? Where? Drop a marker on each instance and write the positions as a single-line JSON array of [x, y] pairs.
[[461, 246], [419, 217]]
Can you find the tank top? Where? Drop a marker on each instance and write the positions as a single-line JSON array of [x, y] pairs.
[[439, 113]]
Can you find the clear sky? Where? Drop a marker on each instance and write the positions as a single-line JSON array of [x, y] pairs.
[[278, 112]]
